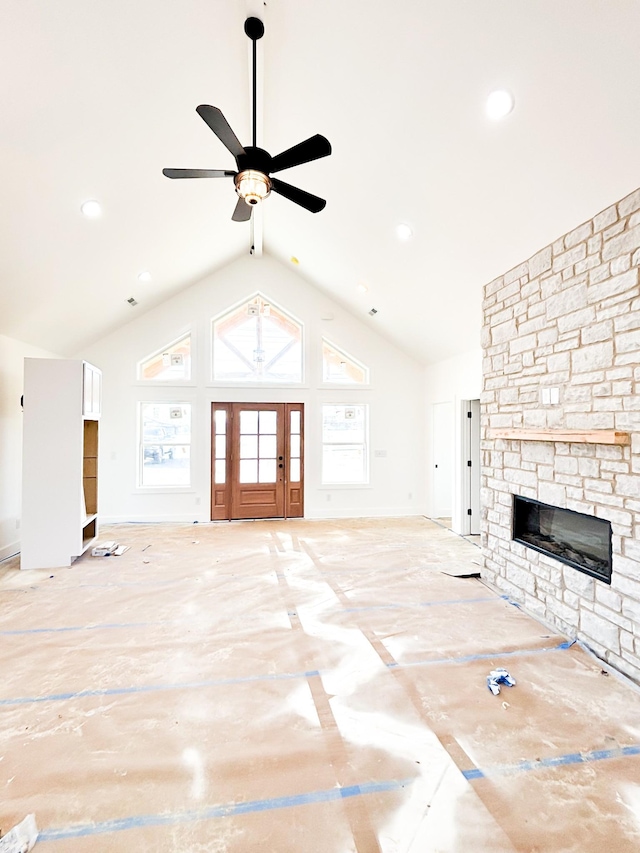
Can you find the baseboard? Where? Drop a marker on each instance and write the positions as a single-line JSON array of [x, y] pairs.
[[10, 550], [379, 512], [152, 519], [375, 512]]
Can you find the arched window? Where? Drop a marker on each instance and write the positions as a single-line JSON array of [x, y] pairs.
[[257, 342], [339, 367], [169, 364]]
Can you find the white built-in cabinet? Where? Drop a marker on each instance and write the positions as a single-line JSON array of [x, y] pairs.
[[59, 461]]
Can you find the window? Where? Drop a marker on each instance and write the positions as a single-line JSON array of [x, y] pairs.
[[165, 444], [337, 366], [344, 444], [257, 342], [170, 364]]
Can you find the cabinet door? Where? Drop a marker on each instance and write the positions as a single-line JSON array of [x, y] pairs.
[[92, 382], [87, 383], [97, 391]]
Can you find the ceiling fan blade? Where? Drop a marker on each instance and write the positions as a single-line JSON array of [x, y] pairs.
[[220, 126], [197, 173], [304, 199], [311, 149], [242, 213]]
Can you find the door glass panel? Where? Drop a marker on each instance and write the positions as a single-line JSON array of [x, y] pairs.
[[267, 471], [220, 419], [268, 423], [248, 470], [295, 445], [220, 471], [268, 447], [221, 447], [249, 447], [294, 471], [249, 422], [295, 423]]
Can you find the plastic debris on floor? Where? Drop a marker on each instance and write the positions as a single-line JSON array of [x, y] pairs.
[[21, 838], [497, 677]]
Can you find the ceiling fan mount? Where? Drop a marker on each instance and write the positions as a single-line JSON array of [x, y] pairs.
[[253, 179]]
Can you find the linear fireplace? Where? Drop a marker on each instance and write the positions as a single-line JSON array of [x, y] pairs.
[[579, 540]]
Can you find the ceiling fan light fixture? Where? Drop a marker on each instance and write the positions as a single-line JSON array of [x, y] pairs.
[[252, 186]]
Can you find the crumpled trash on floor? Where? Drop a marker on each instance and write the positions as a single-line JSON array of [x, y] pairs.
[[497, 677], [21, 838]]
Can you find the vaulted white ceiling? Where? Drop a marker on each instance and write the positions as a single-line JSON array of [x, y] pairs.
[[98, 97]]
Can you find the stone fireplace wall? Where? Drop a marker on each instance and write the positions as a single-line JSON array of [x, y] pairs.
[[565, 326]]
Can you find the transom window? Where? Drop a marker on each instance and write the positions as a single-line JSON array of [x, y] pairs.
[[257, 342], [338, 366], [170, 364]]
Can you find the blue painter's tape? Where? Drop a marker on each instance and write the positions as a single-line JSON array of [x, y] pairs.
[[488, 656], [98, 627], [553, 761], [228, 810], [154, 688]]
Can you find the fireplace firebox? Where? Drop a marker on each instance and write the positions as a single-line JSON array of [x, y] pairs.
[[579, 540]]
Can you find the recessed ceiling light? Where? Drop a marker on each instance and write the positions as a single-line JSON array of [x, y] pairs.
[[91, 209], [499, 104], [145, 275], [362, 287], [404, 231]]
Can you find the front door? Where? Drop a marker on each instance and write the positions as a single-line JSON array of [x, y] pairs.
[[257, 460]]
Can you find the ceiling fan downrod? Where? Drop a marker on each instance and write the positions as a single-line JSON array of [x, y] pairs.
[[254, 28]]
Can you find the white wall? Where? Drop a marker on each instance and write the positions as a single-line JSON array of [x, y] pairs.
[[12, 355], [395, 398], [454, 380]]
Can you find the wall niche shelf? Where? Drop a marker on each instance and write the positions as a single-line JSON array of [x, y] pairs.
[[573, 436]]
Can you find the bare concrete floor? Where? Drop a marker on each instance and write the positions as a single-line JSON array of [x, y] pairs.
[[313, 687]]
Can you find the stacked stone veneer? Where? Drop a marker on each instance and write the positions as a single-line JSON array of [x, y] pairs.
[[568, 318]]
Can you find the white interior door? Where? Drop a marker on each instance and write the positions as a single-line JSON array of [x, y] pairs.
[[442, 455], [474, 468]]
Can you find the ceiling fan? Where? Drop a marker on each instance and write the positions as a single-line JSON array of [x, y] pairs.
[[255, 166]]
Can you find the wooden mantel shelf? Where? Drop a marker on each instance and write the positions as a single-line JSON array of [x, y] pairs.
[[579, 436]]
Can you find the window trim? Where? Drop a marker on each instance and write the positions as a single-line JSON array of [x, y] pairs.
[[167, 383], [354, 484], [252, 382], [333, 384], [159, 488]]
